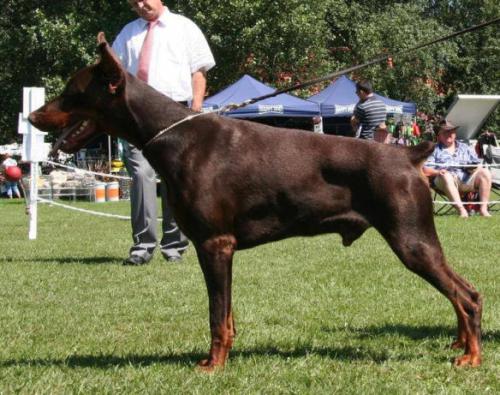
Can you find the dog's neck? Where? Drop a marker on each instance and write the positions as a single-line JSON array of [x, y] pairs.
[[151, 110]]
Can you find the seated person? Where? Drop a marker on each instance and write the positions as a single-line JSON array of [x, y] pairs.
[[451, 180]]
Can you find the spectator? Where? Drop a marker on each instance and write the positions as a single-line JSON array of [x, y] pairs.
[[11, 187], [368, 120], [170, 53], [443, 167]]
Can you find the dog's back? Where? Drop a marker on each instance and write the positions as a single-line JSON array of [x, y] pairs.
[[262, 183]]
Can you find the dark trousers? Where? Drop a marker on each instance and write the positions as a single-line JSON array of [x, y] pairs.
[[144, 210]]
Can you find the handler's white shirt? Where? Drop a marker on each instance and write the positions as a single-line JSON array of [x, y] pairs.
[[179, 50]]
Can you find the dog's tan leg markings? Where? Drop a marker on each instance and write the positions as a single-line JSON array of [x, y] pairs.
[[422, 254], [216, 258]]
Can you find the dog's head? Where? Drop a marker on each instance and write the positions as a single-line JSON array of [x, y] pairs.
[[77, 114]]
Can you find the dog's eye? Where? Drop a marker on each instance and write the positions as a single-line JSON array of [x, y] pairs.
[[70, 101]]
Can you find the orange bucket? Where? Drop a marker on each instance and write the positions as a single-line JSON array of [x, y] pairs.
[[100, 192], [112, 192]]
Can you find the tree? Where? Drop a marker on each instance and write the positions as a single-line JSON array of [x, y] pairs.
[[431, 76], [280, 42], [276, 41], [395, 28], [43, 42], [475, 69]]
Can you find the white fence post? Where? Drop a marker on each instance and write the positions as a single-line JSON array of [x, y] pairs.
[[34, 150]]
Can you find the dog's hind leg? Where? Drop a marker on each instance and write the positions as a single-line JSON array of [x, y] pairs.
[[422, 254], [216, 260]]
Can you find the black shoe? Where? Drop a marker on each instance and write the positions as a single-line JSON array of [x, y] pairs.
[[174, 259], [135, 260]]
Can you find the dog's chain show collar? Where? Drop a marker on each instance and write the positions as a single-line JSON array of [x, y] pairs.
[[163, 131]]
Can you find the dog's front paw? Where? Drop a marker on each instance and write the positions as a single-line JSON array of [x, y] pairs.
[[468, 360], [208, 366]]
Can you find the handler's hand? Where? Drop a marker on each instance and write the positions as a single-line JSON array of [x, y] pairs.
[[196, 106]]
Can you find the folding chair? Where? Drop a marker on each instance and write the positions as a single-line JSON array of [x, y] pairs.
[[492, 157], [443, 206], [440, 202]]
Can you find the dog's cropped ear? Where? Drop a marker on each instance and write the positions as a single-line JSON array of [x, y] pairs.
[[109, 66]]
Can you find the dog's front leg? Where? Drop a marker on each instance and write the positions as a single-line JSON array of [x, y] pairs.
[[216, 260]]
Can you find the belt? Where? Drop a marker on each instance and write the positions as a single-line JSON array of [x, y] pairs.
[[184, 103]]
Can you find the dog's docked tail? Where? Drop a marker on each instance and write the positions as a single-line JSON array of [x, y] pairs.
[[101, 38], [419, 153]]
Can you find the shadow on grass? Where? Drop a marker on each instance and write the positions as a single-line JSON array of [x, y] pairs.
[[95, 260], [376, 354], [190, 359], [108, 361], [411, 332]]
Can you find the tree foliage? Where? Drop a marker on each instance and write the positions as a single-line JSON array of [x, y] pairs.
[[393, 29], [43, 42], [280, 42], [273, 40]]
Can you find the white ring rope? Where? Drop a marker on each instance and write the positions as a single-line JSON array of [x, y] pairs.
[[464, 203], [108, 175], [78, 170], [484, 165], [444, 165], [124, 217], [98, 213]]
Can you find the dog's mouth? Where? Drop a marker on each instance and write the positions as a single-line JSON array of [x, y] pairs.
[[74, 137]]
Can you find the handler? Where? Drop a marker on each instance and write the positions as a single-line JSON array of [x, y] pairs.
[[170, 53]]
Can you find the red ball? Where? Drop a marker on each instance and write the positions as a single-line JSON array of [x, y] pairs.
[[13, 173]]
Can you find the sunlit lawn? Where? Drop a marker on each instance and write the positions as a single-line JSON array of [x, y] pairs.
[[312, 316]]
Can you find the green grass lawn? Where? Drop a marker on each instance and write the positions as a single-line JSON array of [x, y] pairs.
[[311, 315]]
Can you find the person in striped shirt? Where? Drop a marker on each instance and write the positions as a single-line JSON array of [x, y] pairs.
[[368, 120]]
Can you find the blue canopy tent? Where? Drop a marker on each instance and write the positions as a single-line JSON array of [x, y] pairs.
[[337, 103], [339, 99], [246, 87]]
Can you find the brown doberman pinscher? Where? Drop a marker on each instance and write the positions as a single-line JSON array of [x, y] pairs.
[[234, 184]]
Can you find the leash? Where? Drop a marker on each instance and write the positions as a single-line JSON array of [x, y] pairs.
[[378, 59]]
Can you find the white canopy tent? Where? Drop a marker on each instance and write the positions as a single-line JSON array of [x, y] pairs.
[[470, 112]]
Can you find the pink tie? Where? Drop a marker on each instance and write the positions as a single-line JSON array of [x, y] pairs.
[[146, 50]]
